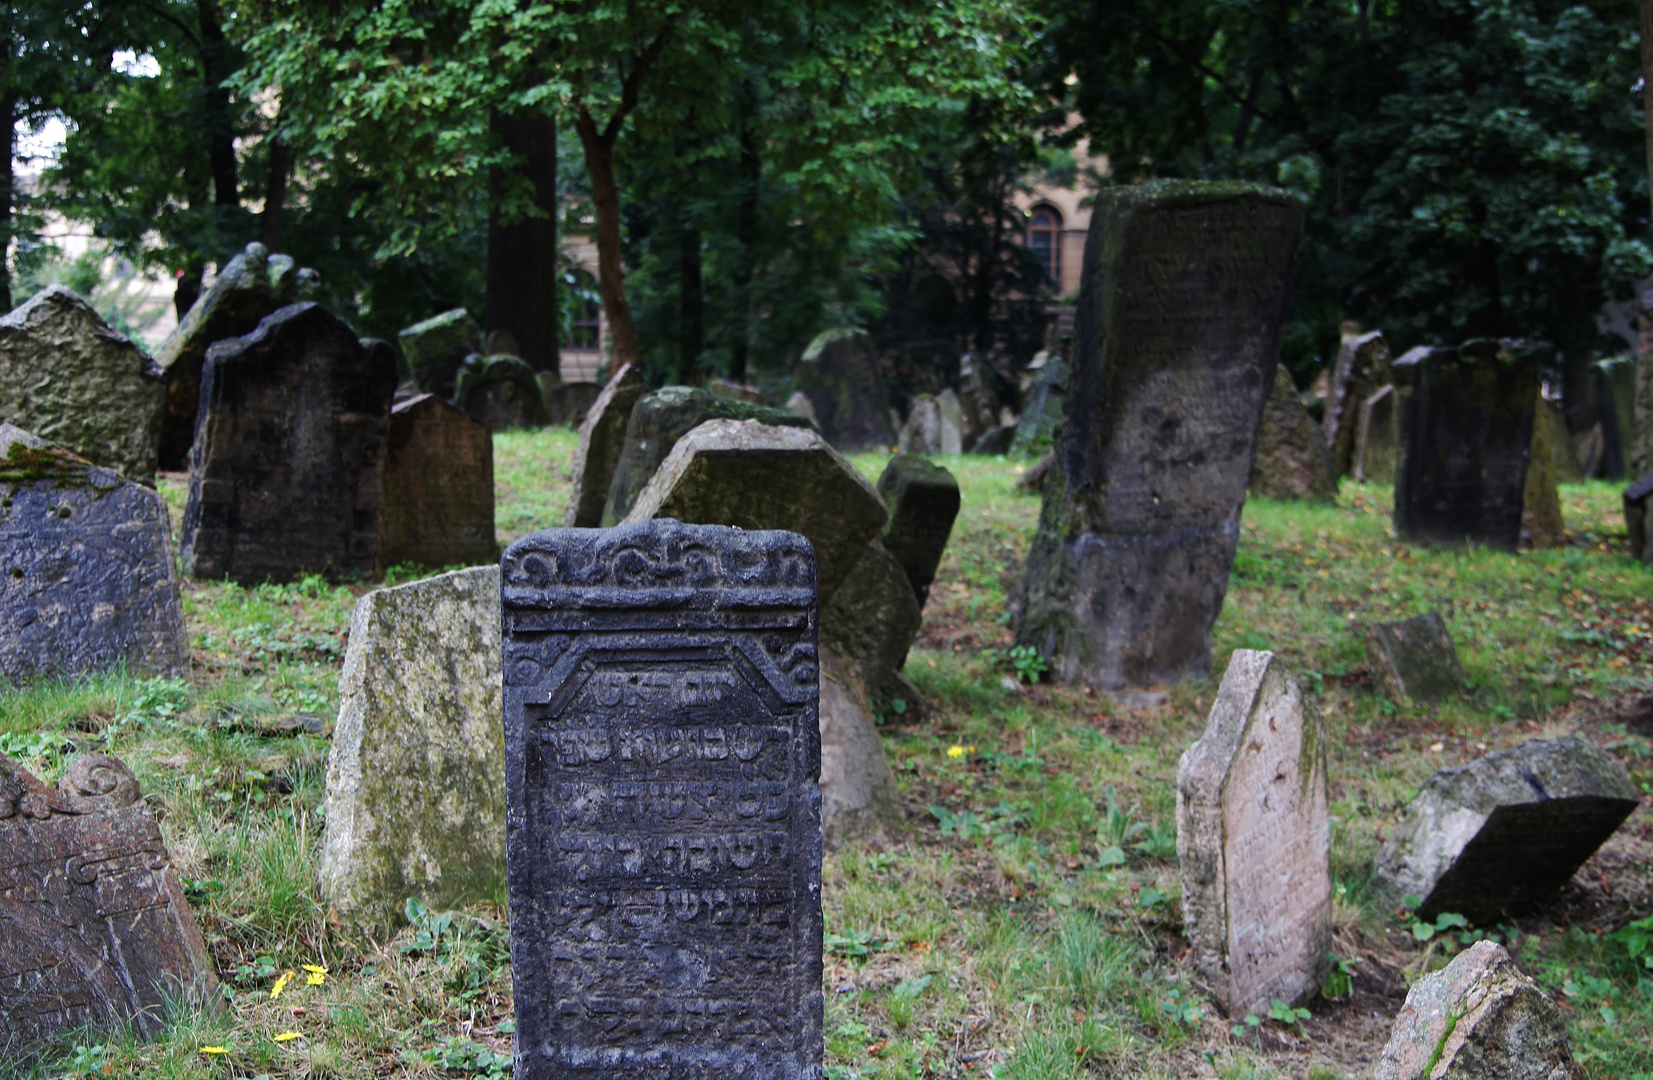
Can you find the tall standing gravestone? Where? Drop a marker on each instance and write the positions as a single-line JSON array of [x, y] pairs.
[[1362, 369], [840, 375], [1178, 336], [438, 505], [94, 930], [86, 579], [602, 437], [1377, 438], [1466, 436], [286, 472], [663, 829], [1253, 839]]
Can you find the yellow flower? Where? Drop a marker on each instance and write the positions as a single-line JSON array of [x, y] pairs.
[[281, 984], [314, 969], [286, 1036], [214, 1050], [955, 751], [315, 978]]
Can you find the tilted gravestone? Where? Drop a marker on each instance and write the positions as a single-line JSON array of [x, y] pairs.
[[438, 503], [414, 801], [250, 286], [841, 378], [68, 376], [1414, 660], [602, 437], [663, 813], [660, 419], [285, 476], [1377, 438], [1500, 835], [1292, 460], [436, 349], [1362, 368], [921, 434], [86, 577], [753, 476], [1541, 521], [1478, 1018], [1253, 840], [1466, 436], [1042, 411], [923, 500], [94, 930], [1178, 335]]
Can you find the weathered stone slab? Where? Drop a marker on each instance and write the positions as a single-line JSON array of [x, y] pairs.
[[1614, 383], [1253, 840], [841, 378], [1414, 660], [602, 437], [921, 434], [660, 419], [566, 404], [872, 620], [500, 390], [1042, 409], [1292, 460], [1178, 335], [1636, 518], [86, 577], [286, 473], [858, 792], [753, 476], [94, 930], [978, 403], [438, 507], [952, 422], [250, 286], [1562, 454], [923, 500], [415, 805], [436, 349], [1499, 836], [1466, 435], [664, 829], [68, 376], [1377, 438], [1541, 522], [1362, 368], [1478, 1018]]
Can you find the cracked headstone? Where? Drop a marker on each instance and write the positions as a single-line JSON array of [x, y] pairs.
[[840, 376], [923, 500], [1292, 460], [664, 815], [438, 506], [602, 437], [1253, 840], [1414, 660], [86, 574], [436, 350], [415, 805]]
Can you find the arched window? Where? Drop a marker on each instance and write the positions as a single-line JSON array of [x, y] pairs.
[[1044, 237]]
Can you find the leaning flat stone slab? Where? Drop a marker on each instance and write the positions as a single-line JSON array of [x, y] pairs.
[[1414, 660], [664, 816], [1292, 460], [1253, 840], [86, 577], [602, 437], [438, 503], [1500, 835], [70, 377], [1362, 368], [840, 375], [923, 500], [1478, 1018], [415, 796], [753, 476], [94, 929]]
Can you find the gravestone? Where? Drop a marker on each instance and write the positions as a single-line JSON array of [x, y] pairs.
[[753, 476], [1562, 454], [566, 404], [1541, 522], [841, 378], [661, 418], [1499, 836], [871, 621], [602, 436], [800, 405], [1478, 1018], [952, 423], [250, 286], [1414, 660], [1377, 439], [921, 434], [500, 390], [436, 349], [858, 791], [69, 377], [663, 839], [739, 391], [1466, 435], [94, 929], [978, 402], [86, 577], [286, 472], [1178, 336], [414, 801], [1636, 520], [1253, 840], [923, 501], [1292, 460], [1614, 383], [1042, 409], [438, 506], [1362, 369]]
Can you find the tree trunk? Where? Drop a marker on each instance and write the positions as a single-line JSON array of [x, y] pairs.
[[751, 173], [215, 68], [611, 275], [1641, 454], [275, 194], [522, 254], [8, 106], [187, 291]]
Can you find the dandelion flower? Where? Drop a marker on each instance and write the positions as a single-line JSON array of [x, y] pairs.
[[315, 978], [214, 1050], [286, 1036], [281, 984], [955, 751]]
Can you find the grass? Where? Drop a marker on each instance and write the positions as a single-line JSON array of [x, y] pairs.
[[1027, 925]]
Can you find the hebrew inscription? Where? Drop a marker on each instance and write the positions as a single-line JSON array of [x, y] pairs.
[[663, 833]]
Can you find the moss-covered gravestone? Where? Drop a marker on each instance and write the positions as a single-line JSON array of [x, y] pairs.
[[1414, 660], [602, 437], [1042, 411], [438, 506], [436, 349], [285, 476], [68, 376], [872, 621], [923, 500], [1362, 368], [1292, 460], [1541, 521], [1178, 336], [415, 781], [86, 578], [841, 377], [1377, 438]]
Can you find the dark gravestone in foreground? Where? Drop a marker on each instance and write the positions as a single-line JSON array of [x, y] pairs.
[[438, 487], [285, 474], [1178, 335], [663, 829], [841, 377], [86, 579], [1466, 434], [923, 499], [94, 930]]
